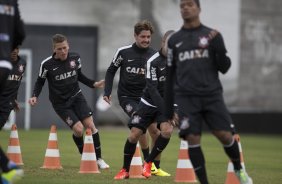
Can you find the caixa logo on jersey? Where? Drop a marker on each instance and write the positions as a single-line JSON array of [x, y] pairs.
[[72, 64], [135, 70], [193, 54]]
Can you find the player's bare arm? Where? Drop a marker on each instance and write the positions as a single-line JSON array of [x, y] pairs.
[[99, 84]]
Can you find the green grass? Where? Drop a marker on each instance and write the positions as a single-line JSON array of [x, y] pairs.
[[262, 155]]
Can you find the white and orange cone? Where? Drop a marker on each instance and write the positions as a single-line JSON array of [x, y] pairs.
[[184, 171], [52, 155], [88, 162], [135, 170], [231, 177], [14, 149]]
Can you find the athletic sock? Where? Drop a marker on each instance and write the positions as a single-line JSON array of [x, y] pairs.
[[157, 163], [128, 152], [3, 161], [198, 162], [97, 145], [78, 142], [146, 153], [159, 146], [233, 153]]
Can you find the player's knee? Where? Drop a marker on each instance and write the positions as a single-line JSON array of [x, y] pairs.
[[224, 137], [78, 129], [135, 135]]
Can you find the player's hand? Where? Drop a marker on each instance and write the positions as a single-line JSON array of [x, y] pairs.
[[172, 122], [17, 106], [32, 101], [99, 84], [108, 99], [175, 119]]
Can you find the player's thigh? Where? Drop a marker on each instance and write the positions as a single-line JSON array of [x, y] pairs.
[[67, 115], [190, 117], [129, 105], [81, 108], [143, 117], [216, 114]]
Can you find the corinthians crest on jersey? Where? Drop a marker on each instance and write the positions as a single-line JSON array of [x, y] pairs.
[[203, 42], [21, 68], [72, 64]]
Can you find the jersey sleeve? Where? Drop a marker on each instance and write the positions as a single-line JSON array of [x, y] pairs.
[[40, 80], [152, 85], [111, 71], [85, 80], [218, 52], [81, 77], [170, 76]]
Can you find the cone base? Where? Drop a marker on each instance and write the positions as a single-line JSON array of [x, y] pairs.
[[185, 175], [140, 176], [45, 167], [231, 178], [89, 172]]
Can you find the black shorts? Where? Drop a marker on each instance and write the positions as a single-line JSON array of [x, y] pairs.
[[129, 104], [144, 116], [194, 110], [74, 110], [5, 111]]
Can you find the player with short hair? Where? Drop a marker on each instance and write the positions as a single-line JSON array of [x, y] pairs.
[[149, 110], [131, 60], [196, 55], [63, 72]]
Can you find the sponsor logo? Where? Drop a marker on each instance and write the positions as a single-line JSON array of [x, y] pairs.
[[65, 75], [193, 54], [162, 78], [178, 44], [118, 61], [162, 68], [130, 60], [154, 74], [14, 77], [135, 70], [55, 68]]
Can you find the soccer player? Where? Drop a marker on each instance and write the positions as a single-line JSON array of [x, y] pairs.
[[196, 54], [8, 97], [11, 35], [63, 71], [150, 109], [131, 60]]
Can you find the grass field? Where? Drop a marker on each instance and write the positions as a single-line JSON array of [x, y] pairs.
[[262, 155]]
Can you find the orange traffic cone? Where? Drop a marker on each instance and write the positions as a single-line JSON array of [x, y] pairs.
[[135, 170], [88, 162], [52, 155], [14, 149], [184, 171], [231, 177]]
